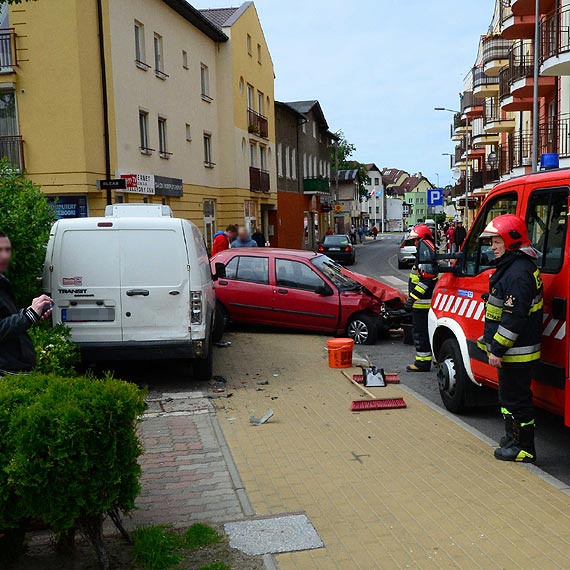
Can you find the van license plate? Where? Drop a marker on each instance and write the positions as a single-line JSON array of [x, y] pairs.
[[88, 315]]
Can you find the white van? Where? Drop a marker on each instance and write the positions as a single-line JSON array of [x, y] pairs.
[[135, 284]]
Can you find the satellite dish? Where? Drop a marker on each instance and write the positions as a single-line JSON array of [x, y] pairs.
[[456, 173]]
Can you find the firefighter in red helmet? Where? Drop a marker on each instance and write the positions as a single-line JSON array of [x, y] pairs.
[[423, 279], [513, 332]]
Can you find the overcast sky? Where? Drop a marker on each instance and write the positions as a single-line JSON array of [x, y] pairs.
[[378, 68]]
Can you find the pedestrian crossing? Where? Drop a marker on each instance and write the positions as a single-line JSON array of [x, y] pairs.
[[395, 282]]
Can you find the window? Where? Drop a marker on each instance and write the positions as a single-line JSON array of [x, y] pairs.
[[304, 127], [478, 254], [294, 164], [310, 159], [162, 140], [205, 82], [251, 269], [249, 50], [314, 129], [249, 97], [546, 220], [262, 157], [260, 102], [184, 59], [296, 275], [315, 171], [158, 56], [188, 133], [287, 163], [305, 171], [139, 46], [280, 159], [208, 151], [143, 129], [377, 182], [253, 155], [259, 53]]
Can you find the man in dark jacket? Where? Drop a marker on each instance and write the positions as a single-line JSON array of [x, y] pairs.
[[459, 235], [513, 332], [16, 350]]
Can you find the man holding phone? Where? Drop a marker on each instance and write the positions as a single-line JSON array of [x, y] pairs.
[[17, 354]]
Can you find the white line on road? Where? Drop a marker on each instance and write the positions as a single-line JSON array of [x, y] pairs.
[[396, 281]]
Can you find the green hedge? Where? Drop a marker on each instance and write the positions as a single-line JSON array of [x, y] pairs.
[[68, 451]]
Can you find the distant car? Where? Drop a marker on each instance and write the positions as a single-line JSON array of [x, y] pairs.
[[406, 253], [338, 248], [304, 290]]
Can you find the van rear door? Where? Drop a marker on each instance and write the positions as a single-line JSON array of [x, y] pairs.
[[155, 289], [85, 284]]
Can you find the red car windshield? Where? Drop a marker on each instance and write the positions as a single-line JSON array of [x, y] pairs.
[[332, 271]]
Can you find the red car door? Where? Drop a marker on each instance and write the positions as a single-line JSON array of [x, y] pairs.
[[245, 292], [302, 298]]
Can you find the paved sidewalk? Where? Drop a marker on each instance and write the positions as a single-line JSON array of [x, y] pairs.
[[384, 489]]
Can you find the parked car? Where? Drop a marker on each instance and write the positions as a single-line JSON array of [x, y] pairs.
[[338, 248], [304, 290], [407, 252], [135, 284]]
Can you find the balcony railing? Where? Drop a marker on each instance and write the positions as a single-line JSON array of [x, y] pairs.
[[481, 79], [555, 33], [481, 178], [258, 180], [257, 124], [459, 152], [495, 48], [8, 53], [316, 185], [469, 100], [492, 111], [12, 149], [521, 65], [504, 83], [505, 10]]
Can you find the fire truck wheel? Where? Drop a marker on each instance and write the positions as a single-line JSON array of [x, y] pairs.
[[453, 381]]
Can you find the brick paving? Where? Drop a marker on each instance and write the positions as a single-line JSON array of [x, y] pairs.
[[384, 489]]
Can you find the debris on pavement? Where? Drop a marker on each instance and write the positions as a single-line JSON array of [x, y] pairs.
[[263, 383], [260, 421], [219, 390], [216, 396], [219, 379], [222, 344]]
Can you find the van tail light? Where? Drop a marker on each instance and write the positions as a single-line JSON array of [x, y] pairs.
[[196, 308], [321, 248], [348, 248]]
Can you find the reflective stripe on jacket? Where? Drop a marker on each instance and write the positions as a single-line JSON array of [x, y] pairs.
[[421, 283], [513, 311]]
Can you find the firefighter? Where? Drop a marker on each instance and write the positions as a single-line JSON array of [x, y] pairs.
[[421, 285], [513, 331]]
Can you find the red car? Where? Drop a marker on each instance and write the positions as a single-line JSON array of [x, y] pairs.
[[303, 290]]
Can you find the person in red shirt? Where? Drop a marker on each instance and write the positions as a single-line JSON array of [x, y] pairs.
[[222, 240], [450, 234]]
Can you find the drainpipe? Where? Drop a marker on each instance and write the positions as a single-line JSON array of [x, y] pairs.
[[104, 96], [535, 109]]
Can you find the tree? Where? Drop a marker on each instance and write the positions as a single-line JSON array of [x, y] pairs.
[[341, 153], [26, 217]]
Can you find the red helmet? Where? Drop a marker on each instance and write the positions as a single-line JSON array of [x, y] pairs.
[[511, 229], [421, 231]]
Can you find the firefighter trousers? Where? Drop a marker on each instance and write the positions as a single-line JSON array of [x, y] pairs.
[[421, 338], [515, 394]]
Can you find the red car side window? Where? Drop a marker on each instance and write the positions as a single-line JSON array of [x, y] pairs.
[[250, 269]]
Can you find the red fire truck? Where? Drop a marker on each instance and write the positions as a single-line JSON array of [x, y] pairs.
[[457, 314]]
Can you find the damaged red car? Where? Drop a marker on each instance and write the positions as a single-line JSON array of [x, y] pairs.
[[303, 290]]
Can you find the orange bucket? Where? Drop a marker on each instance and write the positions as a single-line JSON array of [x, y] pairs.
[[340, 352]]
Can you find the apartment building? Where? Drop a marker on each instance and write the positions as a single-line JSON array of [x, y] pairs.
[[415, 189], [175, 101], [375, 204], [304, 197], [495, 118]]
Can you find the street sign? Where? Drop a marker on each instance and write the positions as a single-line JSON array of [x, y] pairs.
[[338, 208], [113, 184], [139, 183], [435, 197]]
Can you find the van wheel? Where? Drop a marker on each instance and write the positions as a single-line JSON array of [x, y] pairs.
[[455, 387], [203, 368], [220, 320], [362, 329]]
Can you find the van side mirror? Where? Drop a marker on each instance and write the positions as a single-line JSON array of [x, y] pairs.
[[324, 290], [220, 271]]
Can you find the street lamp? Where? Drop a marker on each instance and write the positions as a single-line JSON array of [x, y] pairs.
[[466, 158]]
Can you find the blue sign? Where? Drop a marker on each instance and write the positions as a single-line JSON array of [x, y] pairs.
[[69, 206], [435, 197]]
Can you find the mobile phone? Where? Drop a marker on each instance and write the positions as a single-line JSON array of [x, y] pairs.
[[47, 308]]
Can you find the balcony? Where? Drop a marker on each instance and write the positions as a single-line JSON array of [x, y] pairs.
[[527, 7], [518, 17], [12, 149], [257, 124], [481, 178], [483, 85], [317, 185], [8, 53], [555, 35], [508, 101], [459, 156], [495, 54], [471, 106], [494, 120], [258, 180], [458, 128]]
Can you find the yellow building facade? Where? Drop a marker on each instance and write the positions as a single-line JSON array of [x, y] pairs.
[[175, 103]]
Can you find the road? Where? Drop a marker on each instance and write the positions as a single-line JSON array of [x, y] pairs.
[[379, 260]]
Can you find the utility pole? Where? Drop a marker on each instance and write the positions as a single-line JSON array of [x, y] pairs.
[[535, 88], [466, 220]]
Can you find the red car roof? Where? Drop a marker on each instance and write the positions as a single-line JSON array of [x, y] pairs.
[[265, 250]]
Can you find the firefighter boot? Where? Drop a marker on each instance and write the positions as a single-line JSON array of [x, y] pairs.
[[509, 438], [522, 449]]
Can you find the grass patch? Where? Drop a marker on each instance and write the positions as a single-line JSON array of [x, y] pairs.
[[157, 548], [215, 566], [200, 535]]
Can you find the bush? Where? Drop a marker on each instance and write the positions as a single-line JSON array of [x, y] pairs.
[[55, 352], [68, 451], [26, 217]]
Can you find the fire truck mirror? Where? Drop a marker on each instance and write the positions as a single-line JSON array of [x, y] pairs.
[[426, 254]]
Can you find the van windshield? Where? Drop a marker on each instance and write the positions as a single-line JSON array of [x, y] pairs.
[[332, 270]]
